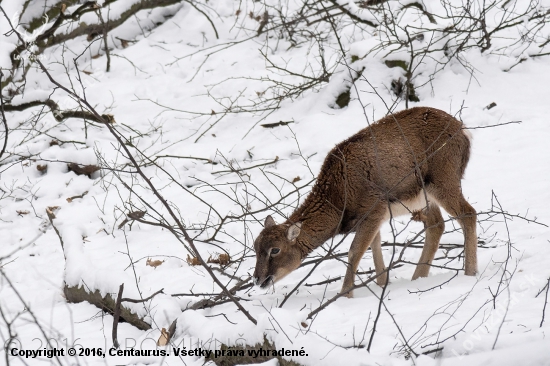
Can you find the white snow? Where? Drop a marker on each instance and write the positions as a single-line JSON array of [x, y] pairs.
[[168, 92]]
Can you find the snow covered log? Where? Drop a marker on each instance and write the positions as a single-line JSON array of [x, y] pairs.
[[76, 294]]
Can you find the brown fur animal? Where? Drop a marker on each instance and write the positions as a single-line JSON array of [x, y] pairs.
[[412, 160]]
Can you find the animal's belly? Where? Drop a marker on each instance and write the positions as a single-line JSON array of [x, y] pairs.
[[406, 207]]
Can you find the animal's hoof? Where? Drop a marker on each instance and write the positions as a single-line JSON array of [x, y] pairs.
[[349, 294], [381, 281]]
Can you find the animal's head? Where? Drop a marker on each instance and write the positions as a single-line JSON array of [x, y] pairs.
[[277, 253]]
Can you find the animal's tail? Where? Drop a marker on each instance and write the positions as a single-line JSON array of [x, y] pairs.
[[468, 147]]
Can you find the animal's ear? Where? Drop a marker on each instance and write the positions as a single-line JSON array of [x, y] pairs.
[[293, 231], [269, 222]]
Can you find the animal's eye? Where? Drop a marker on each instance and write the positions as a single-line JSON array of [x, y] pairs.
[[275, 251]]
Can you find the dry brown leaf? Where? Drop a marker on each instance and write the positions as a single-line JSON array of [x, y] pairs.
[[194, 261], [303, 324], [70, 199], [83, 170], [136, 215], [91, 36], [296, 179], [109, 118], [153, 263], [223, 259], [164, 338], [22, 212], [42, 168], [51, 211]]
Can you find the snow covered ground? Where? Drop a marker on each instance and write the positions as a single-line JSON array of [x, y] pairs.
[[168, 92]]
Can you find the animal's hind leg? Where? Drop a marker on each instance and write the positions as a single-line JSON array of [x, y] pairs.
[[452, 200], [434, 225]]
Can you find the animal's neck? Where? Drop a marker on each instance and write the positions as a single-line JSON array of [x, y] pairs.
[[320, 222]]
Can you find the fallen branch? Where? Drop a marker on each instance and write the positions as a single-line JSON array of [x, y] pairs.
[[58, 114], [77, 294]]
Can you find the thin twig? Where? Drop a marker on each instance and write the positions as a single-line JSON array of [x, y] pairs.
[[545, 301], [161, 291], [4, 119], [116, 316]]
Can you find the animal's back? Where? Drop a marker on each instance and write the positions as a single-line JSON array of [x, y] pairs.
[[402, 152], [390, 161]]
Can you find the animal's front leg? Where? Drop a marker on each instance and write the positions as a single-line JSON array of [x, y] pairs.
[[366, 233], [435, 226], [376, 247]]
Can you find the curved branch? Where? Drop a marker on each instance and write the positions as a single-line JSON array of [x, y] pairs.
[[58, 114], [4, 120], [353, 16], [206, 16]]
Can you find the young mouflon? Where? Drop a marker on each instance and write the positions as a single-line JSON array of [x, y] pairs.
[[408, 162]]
